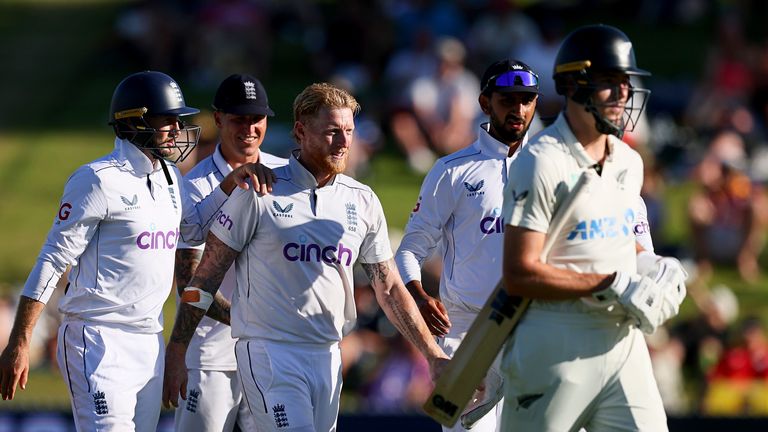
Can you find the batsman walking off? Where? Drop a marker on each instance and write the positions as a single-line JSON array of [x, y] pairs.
[[578, 358], [295, 249], [459, 213]]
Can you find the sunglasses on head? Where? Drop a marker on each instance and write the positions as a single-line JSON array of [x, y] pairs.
[[514, 78]]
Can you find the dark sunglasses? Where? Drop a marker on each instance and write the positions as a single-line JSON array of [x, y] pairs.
[[514, 78]]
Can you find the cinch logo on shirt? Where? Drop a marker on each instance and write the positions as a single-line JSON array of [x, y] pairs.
[[493, 223], [642, 228], [607, 227], [223, 220], [474, 190], [312, 252], [157, 239]]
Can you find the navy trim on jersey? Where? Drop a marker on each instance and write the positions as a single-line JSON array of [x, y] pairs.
[[253, 377], [66, 361], [85, 371], [461, 157], [245, 393], [452, 221]]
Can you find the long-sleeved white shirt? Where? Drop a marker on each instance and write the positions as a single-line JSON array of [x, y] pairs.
[[459, 211], [117, 226], [212, 346]]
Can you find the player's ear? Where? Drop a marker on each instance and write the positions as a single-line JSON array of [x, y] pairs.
[[217, 118], [485, 103], [298, 131]]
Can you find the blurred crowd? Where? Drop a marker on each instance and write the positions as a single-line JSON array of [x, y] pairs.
[[414, 66]]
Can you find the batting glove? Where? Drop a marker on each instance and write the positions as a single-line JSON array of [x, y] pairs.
[[670, 275], [640, 296]]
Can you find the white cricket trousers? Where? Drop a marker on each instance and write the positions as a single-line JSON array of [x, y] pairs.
[[214, 403], [568, 370], [461, 320], [290, 386], [114, 377]]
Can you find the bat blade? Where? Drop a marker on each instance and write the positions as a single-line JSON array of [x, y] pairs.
[[490, 329], [474, 356]]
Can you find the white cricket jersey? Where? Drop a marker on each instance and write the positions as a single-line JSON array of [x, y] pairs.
[[117, 227], [212, 346], [599, 235], [459, 209], [297, 244]]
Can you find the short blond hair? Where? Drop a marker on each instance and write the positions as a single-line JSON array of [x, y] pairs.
[[322, 95]]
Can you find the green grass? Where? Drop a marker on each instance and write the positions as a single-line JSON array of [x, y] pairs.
[[33, 170]]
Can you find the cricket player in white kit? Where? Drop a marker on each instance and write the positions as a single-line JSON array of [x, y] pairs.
[[117, 226], [295, 250], [214, 400], [579, 359], [459, 213]]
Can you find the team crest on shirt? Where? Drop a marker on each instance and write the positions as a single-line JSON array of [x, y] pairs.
[[474, 189], [281, 417], [100, 403], [131, 204], [351, 216], [281, 211]]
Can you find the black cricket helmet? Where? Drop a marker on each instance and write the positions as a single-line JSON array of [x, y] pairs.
[[593, 49], [147, 94]]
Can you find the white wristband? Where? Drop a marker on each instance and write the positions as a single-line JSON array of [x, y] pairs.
[[196, 297]]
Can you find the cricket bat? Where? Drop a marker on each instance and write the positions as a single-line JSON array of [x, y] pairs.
[[495, 322]]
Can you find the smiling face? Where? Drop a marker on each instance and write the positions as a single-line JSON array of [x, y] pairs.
[[241, 136], [325, 140]]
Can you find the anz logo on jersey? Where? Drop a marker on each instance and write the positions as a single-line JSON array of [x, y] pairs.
[[492, 224], [313, 252], [605, 227]]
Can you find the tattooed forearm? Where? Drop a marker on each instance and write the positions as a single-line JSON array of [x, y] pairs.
[[377, 272], [399, 306], [187, 261], [187, 319], [219, 309], [216, 260]]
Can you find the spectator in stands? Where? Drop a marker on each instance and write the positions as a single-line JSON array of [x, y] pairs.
[[443, 108], [728, 212]]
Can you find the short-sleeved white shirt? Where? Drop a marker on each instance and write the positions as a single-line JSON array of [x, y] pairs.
[[296, 245], [212, 346], [459, 209], [642, 226], [599, 235], [117, 226]]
